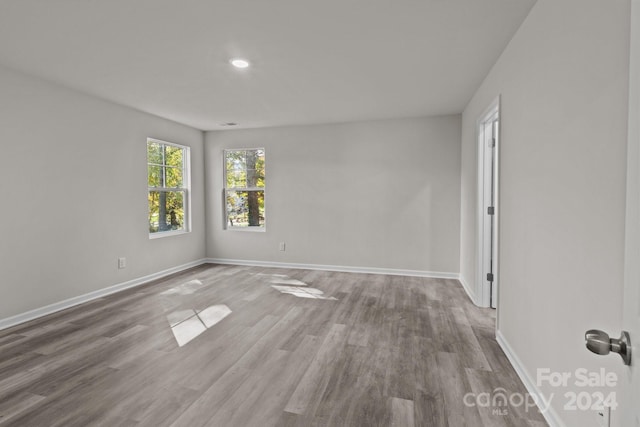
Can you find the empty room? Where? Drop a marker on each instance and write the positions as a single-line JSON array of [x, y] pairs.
[[330, 213]]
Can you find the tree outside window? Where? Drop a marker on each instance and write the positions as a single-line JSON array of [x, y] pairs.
[[167, 167], [244, 188]]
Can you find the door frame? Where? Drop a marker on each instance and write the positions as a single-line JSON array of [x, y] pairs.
[[630, 390], [484, 297]]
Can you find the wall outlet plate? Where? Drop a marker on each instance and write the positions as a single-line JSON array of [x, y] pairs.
[[122, 262], [282, 246], [604, 416]]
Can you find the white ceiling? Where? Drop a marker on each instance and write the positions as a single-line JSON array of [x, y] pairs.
[[312, 61]]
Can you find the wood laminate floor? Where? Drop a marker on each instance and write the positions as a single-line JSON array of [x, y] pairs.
[[246, 346]]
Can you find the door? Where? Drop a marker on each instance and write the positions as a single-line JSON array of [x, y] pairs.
[[488, 143], [630, 409], [493, 214], [629, 396]]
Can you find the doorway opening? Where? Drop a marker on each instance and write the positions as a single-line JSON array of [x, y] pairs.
[[488, 145]]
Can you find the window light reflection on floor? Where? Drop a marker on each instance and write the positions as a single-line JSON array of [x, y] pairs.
[[303, 292], [295, 287], [186, 325], [288, 281], [184, 289], [281, 279]]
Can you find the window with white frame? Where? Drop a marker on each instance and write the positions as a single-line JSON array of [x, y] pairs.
[[169, 186], [244, 177]]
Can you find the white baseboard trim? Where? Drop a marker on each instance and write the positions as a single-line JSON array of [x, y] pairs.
[[71, 302], [467, 289], [552, 417], [340, 268]]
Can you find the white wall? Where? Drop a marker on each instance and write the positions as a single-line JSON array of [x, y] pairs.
[[73, 190], [563, 80], [381, 194], [469, 206]]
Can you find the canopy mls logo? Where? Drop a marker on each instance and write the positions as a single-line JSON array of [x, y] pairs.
[[499, 401]]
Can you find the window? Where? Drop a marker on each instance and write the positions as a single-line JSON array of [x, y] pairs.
[[168, 180], [244, 189]]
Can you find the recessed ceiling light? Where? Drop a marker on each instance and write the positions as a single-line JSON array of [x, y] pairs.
[[239, 63]]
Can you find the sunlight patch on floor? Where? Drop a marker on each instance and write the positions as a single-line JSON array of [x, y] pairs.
[[281, 279], [187, 325], [301, 292], [295, 287], [288, 281], [184, 289]]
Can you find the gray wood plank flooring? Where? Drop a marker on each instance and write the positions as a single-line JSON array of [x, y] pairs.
[[298, 348]]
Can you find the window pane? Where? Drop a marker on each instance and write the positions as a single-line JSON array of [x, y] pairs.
[[173, 156], [173, 177], [245, 208], [260, 168], [254, 173], [236, 179], [155, 176], [236, 169], [254, 178], [169, 176], [154, 152], [166, 211], [236, 160], [245, 168]]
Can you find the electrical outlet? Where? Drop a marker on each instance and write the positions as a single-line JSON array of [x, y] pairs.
[[282, 246], [122, 262], [604, 416]]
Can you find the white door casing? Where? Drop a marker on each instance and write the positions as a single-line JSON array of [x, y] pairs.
[[630, 399], [495, 129], [488, 126]]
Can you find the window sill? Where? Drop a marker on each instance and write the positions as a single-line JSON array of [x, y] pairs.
[[162, 234], [248, 229]]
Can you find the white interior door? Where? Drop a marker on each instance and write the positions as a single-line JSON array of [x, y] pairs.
[[628, 412], [630, 409], [488, 206], [494, 218]]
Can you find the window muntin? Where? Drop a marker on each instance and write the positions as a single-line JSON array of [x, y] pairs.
[[168, 187], [244, 178]]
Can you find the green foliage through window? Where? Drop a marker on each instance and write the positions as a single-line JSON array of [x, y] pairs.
[[244, 187], [166, 172]]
